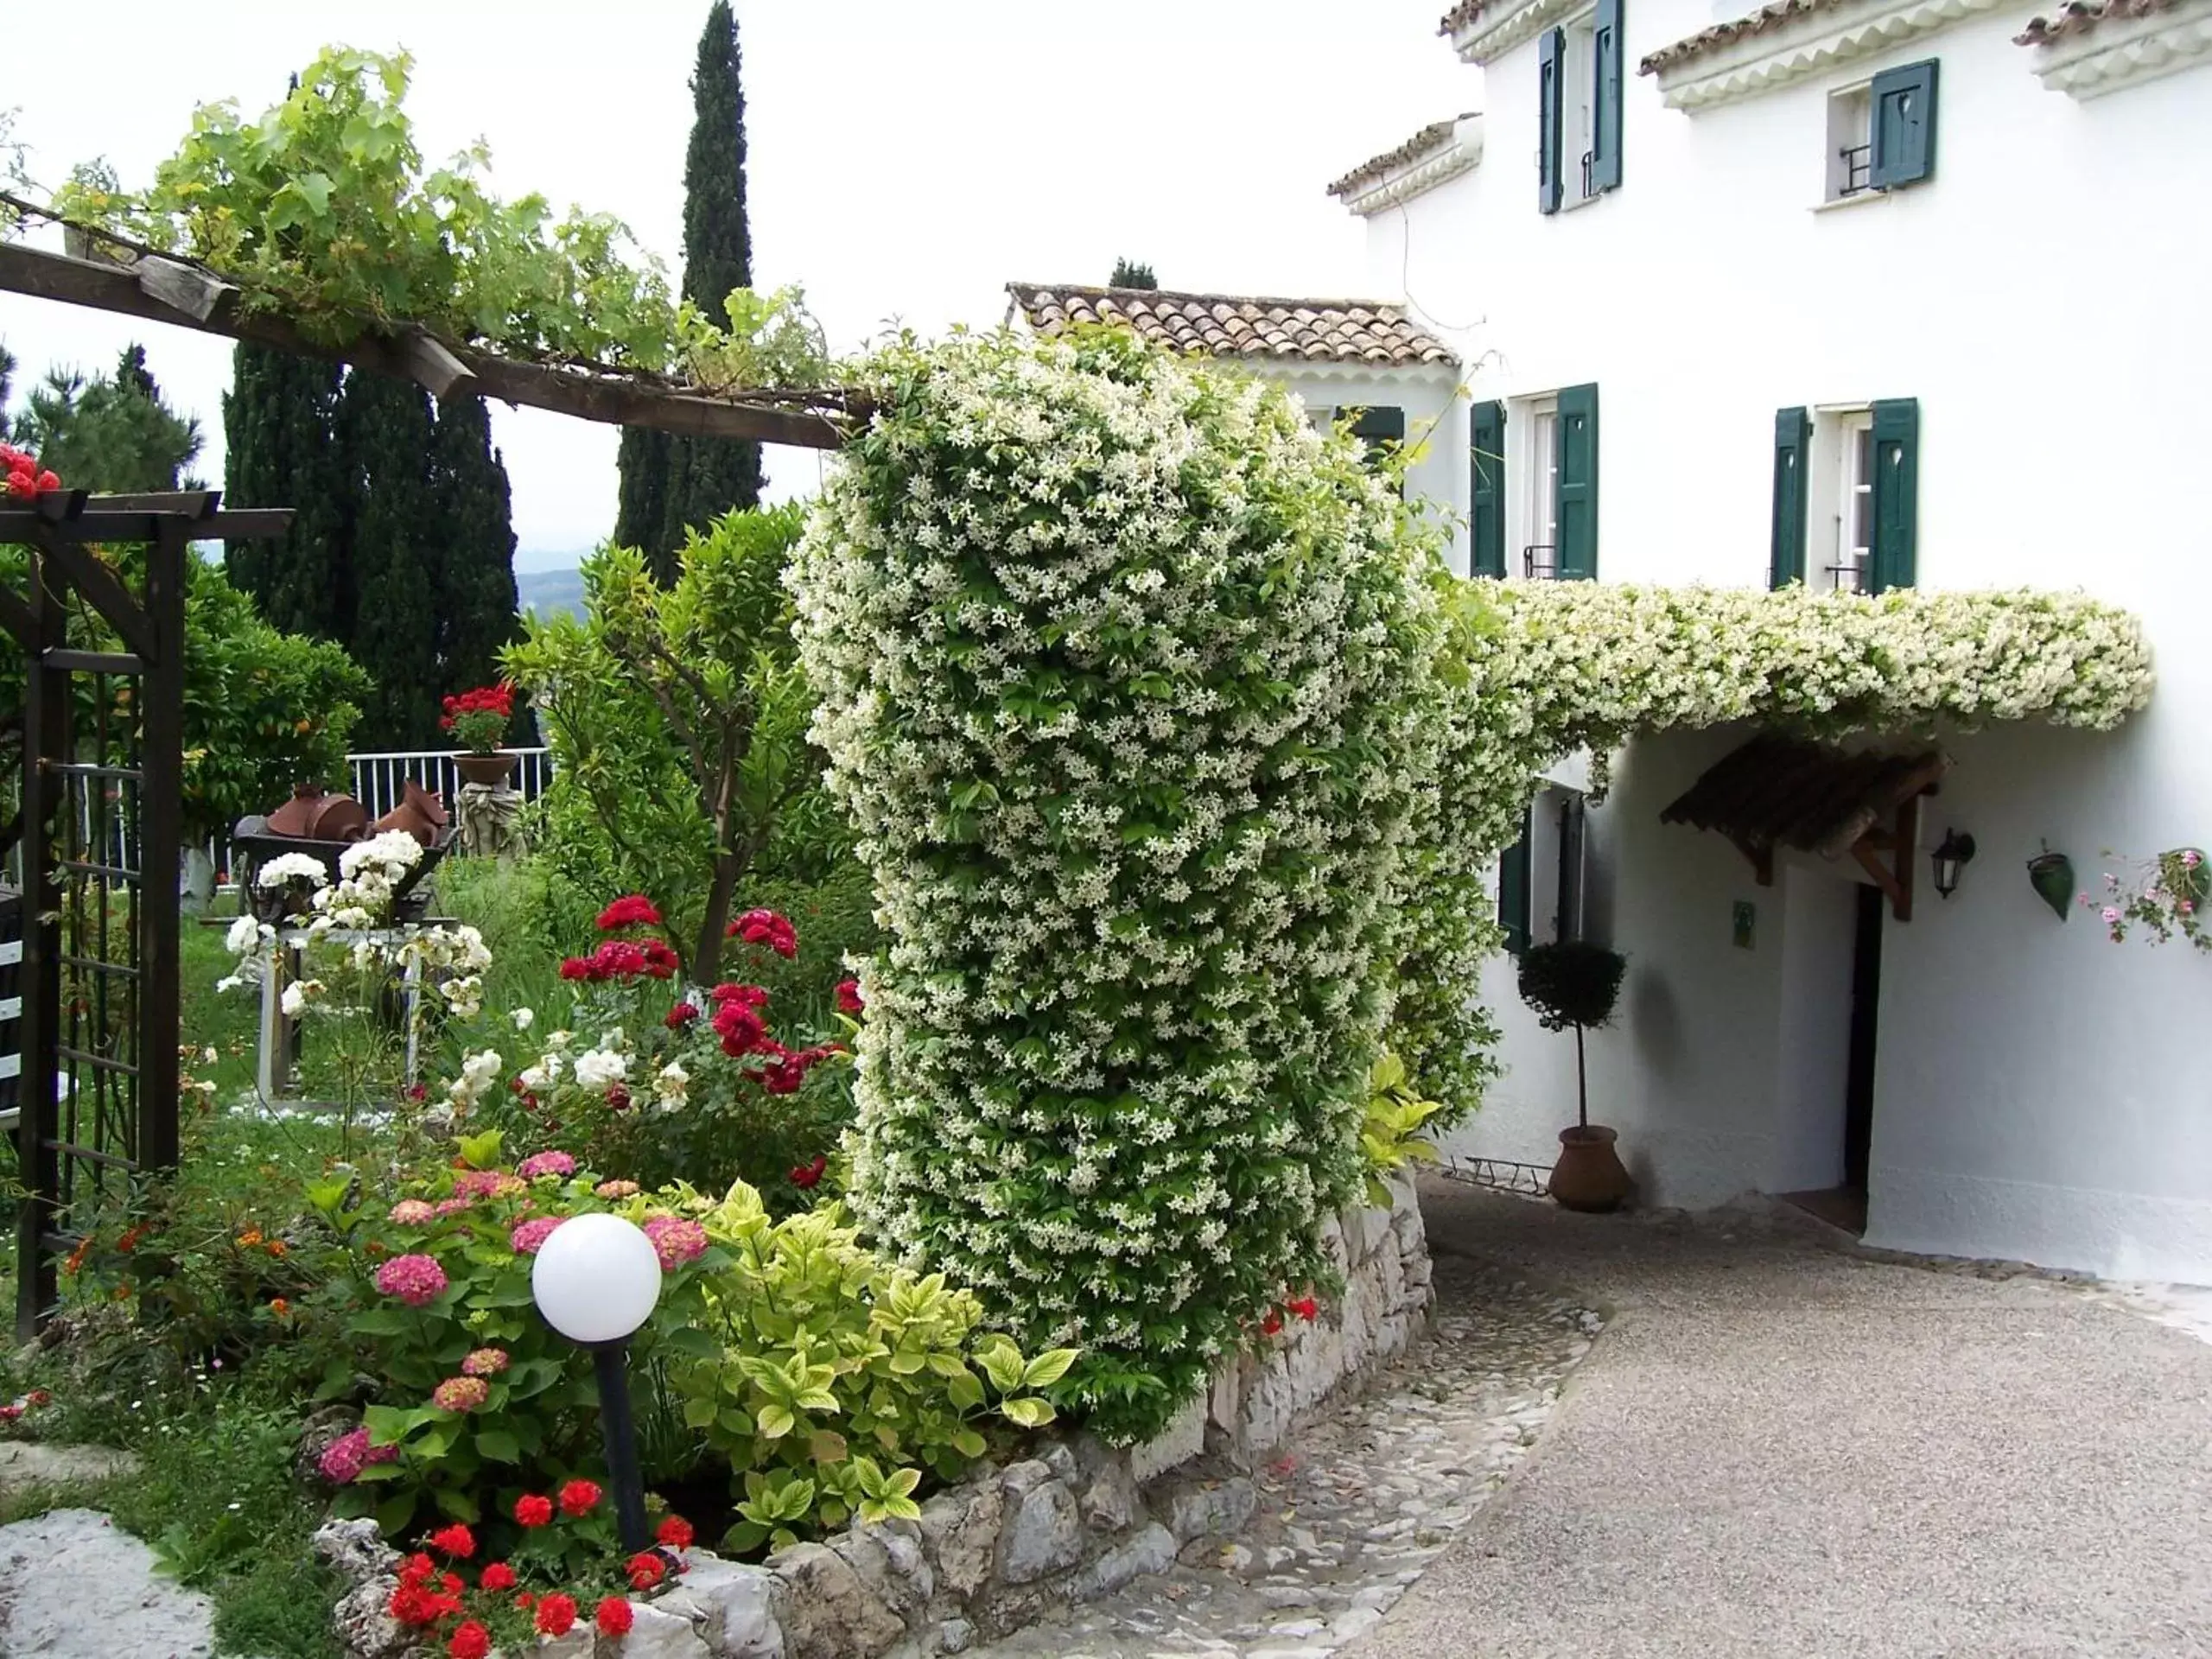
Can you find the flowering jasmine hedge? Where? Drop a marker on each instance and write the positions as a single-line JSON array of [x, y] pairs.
[[1554, 667], [1125, 683]]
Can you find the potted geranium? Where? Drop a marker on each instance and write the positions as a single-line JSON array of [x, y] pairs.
[[1575, 983], [477, 720]]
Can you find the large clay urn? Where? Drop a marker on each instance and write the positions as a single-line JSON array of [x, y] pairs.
[[1589, 1174], [419, 813], [315, 814]]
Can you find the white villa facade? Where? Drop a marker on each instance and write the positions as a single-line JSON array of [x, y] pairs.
[[1877, 293]]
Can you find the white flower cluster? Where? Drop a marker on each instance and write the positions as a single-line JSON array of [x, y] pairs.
[[292, 867], [1126, 677], [1555, 667], [478, 1071], [369, 875]]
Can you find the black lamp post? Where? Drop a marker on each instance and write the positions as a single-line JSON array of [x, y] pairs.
[[596, 1280], [1954, 851]]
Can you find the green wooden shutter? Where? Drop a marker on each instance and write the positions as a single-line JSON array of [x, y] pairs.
[[1896, 495], [1513, 888], [1575, 488], [1902, 125], [1605, 98], [1486, 498], [1793, 434], [1551, 60]]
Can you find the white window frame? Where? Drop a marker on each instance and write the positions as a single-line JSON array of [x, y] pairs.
[[1840, 471], [1577, 107], [1532, 474], [1850, 124]]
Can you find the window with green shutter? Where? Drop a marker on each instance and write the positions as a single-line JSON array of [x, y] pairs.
[[1575, 485], [1381, 428], [1486, 489], [1605, 99], [1895, 556], [1902, 122], [1551, 65], [1513, 889], [1793, 436]]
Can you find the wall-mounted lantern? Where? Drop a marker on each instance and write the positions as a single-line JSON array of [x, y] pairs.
[[1954, 853]]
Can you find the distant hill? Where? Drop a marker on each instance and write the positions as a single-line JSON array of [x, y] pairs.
[[549, 592]]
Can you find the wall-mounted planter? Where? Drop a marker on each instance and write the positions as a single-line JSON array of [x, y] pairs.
[[2052, 876], [2183, 871]]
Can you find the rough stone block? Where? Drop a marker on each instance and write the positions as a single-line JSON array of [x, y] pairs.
[[736, 1607], [355, 1550], [1223, 1399], [576, 1644], [886, 1563], [960, 1529], [1044, 1527], [656, 1633], [1111, 1502], [364, 1629], [956, 1635], [1183, 1439], [825, 1610], [1203, 1508], [1152, 1550]]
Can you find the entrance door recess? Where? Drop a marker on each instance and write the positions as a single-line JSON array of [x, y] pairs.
[[1845, 1205]]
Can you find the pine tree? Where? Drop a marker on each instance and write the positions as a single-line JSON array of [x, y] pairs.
[[387, 436], [112, 433], [669, 484], [280, 421], [476, 573]]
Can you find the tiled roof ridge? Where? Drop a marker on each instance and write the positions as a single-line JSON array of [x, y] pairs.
[[1430, 137], [2079, 16], [1719, 34], [1289, 302], [1377, 333], [1460, 15]]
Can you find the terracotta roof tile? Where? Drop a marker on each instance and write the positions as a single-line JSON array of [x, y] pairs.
[[2079, 16], [1461, 14], [1241, 326], [1434, 136], [1720, 35]]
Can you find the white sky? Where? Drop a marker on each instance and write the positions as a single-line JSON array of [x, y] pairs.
[[906, 160]]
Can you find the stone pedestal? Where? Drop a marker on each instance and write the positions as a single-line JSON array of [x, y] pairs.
[[490, 821]]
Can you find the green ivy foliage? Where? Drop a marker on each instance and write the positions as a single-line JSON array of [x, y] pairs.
[[1126, 679]]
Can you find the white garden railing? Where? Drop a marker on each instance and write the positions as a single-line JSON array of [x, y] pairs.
[[380, 776]]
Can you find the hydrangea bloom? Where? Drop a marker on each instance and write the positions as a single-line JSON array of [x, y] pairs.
[[414, 1280], [546, 1163], [485, 1362], [676, 1240], [528, 1237], [461, 1394], [345, 1458], [616, 1189], [413, 1212]]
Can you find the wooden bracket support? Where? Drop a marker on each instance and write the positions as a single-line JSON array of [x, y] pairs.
[[1762, 860], [1895, 878]]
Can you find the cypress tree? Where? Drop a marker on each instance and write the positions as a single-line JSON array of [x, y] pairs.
[[476, 577], [1130, 273], [387, 436], [280, 421], [669, 484]]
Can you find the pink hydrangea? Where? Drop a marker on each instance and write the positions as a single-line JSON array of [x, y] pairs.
[[530, 1237], [616, 1189], [461, 1394], [546, 1163], [486, 1362], [414, 1279], [451, 1206], [413, 1212], [344, 1458], [676, 1240], [475, 1183]]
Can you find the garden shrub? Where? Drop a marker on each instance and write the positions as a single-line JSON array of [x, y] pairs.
[[1123, 669]]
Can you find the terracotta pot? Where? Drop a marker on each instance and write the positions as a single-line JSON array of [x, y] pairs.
[[1589, 1175], [493, 768]]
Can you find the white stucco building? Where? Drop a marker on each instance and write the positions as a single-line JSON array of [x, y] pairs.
[[1873, 292]]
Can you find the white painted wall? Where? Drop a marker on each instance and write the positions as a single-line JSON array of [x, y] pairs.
[[1436, 424], [2040, 1092]]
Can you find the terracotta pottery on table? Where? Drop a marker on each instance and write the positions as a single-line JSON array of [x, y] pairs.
[[1589, 1174], [419, 813], [315, 814], [494, 768]]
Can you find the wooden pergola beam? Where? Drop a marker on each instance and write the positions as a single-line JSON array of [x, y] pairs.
[[185, 296]]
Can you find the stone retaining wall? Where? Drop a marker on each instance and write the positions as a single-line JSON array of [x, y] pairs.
[[1075, 1520]]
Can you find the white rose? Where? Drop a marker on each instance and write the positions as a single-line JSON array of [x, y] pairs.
[[524, 1018]]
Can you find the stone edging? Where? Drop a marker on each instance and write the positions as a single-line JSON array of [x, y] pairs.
[[1074, 1521]]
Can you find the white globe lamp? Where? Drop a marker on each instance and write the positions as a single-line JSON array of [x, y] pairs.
[[596, 1280]]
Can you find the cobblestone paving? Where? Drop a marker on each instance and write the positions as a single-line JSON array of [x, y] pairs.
[[1361, 1500]]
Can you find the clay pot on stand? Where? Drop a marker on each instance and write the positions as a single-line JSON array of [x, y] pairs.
[[1589, 1175], [493, 768]]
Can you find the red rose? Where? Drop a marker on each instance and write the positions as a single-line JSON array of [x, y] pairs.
[[849, 996], [579, 1497], [676, 1533], [455, 1539], [618, 1097], [557, 1615], [614, 1617], [496, 1577], [471, 1641], [680, 1016], [533, 1510], [646, 1569], [807, 1175]]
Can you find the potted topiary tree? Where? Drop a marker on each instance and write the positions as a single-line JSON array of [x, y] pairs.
[[1575, 983]]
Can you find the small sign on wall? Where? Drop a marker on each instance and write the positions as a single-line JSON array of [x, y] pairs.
[[1744, 922]]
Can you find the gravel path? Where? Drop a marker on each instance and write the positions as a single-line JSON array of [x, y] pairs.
[[1362, 1499], [1780, 1449]]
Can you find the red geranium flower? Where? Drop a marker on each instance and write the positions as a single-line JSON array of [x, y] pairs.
[[1272, 1325], [632, 910], [471, 1641], [1306, 1307], [496, 1577], [646, 1569], [676, 1532], [849, 996], [533, 1510], [614, 1617], [575, 968], [557, 1615], [807, 1175], [579, 1497], [455, 1539], [766, 927]]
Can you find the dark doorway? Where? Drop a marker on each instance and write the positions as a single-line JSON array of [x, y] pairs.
[[1865, 1004]]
